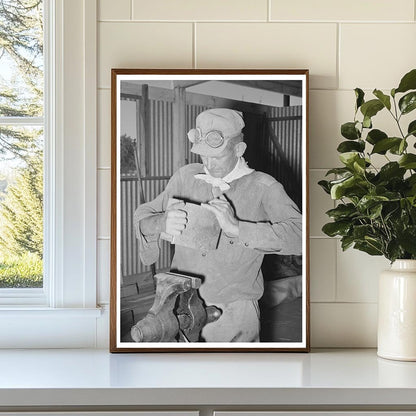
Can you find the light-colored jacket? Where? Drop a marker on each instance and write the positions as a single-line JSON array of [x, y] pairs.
[[270, 222]]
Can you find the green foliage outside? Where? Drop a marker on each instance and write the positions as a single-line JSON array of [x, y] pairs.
[[127, 160], [21, 95], [376, 212], [21, 271], [21, 213]]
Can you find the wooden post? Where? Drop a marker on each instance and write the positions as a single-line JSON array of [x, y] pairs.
[[286, 100], [143, 130], [179, 127]]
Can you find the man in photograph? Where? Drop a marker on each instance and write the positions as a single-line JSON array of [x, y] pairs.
[[255, 215]]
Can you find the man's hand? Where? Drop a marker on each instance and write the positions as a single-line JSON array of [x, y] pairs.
[[225, 215], [175, 219]]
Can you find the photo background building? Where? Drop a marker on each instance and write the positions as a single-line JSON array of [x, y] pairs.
[[272, 113]]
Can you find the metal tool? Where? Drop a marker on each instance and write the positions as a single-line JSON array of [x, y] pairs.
[[178, 313]]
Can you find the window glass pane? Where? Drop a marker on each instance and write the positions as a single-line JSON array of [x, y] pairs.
[[21, 212], [21, 58], [21, 143]]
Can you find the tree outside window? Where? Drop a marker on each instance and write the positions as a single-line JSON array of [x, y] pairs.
[[21, 143]]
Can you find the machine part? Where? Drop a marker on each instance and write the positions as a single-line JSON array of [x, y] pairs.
[[164, 323]]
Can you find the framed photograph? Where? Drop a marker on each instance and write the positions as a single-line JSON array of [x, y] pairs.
[[209, 211]]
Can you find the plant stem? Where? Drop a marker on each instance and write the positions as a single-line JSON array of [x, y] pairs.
[[397, 118]]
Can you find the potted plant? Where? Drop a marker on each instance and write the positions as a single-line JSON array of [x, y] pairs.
[[376, 209]]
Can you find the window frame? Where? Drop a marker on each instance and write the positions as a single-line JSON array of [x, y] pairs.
[[70, 171]]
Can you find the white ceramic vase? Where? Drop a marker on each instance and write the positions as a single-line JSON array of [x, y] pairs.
[[397, 312]]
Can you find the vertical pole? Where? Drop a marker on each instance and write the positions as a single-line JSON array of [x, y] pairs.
[[141, 194], [143, 130], [179, 127], [286, 100], [142, 146]]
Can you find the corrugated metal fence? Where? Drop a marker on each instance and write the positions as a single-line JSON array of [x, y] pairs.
[[281, 141]]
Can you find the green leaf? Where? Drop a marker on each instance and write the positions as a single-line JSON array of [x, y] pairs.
[[336, 228], [391, 170], [408, 82], [349, 131], [369, 201], [383, 145], [338, 189], [398, 149], [375, 211], [411, 184], [359, 165], [392, 196], [367, 122], [408, 161], [411, 130], [359, 95], [407, 240], [350, 146], [375, 136], [385, 99], [348, 158], [361, 231], [346, 242], [354, 161], [411, 180], [394, 251], [338, 171], [325, 186], [408, 102], [369, 248], [342, 211], [371, 108], [402, 147], [353, 188]]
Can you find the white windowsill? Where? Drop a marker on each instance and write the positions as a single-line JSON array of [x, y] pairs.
[[334, 378], [36, 312], [40, 327]]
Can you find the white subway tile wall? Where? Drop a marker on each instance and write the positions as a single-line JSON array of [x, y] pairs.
[[349, 325], [355, 10], [142, 45], [270, 45], [114, 10], [103, 270], [200, 10], [375, 54], [357, 275], [323, 269], [345, 44], [104, 202], [319, 203], [104, 128]]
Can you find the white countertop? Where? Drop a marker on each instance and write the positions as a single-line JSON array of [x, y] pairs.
[[96, 377]]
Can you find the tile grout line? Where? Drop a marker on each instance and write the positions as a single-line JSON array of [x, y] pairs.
[[369, 89], [338, 64], [194, 63], [345, 302], [307, 22], [322, 237], [269, 11], [336, 271]]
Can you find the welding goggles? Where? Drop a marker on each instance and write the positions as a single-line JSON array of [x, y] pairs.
[[213, 138]]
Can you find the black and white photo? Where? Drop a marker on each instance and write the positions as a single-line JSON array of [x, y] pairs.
[[209, 244]]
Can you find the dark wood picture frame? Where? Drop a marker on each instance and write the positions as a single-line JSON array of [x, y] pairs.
[[136, 96]]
